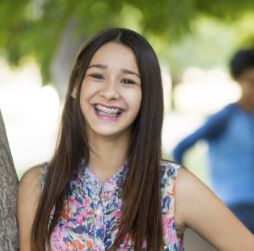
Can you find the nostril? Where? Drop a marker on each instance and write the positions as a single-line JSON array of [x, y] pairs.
[[110, 92]]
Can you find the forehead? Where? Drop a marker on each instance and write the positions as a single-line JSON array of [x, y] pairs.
[[248, 74], [115, 54]]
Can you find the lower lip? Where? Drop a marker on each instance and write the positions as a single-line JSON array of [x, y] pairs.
[[106, 117]]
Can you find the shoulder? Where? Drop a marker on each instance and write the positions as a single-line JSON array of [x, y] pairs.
[[30, 185], [189, 193], [31, 177], [193, 199], [188, 185], [225, 112], [30, 188], [172, 169], [168, 171], [217, 122], [169, 168], [229, 107], [186, 181]]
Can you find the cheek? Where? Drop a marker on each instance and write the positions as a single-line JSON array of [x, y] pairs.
[[139, 102], [134, 100], [249, 90], [252, 93], [87, 91]]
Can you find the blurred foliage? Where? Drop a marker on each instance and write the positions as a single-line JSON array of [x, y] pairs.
[[211, 43], [34, 27], [207, 47]]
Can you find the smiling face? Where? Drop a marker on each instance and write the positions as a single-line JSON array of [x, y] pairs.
[[110, 96]]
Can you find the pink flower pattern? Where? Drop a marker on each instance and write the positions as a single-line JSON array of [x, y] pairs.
[[92, 211]]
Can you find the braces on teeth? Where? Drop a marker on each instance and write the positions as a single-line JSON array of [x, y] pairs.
[[107, 110]]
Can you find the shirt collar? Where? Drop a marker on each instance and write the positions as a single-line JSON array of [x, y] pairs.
[[106, 189]]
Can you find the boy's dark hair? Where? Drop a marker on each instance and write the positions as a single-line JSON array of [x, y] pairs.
[[241, 61]]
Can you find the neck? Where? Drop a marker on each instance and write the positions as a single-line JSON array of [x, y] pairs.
[[246, 105], [107, 155]]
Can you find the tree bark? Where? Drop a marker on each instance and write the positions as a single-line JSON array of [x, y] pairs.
[[8, 195]]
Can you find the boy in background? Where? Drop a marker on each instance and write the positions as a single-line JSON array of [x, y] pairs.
[[230, 137]]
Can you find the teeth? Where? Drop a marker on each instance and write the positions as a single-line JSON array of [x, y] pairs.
[[107, 110]]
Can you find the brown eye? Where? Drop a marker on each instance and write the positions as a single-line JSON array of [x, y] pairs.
[[127, 81], [97, 76]]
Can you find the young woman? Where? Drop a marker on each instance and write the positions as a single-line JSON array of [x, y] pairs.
[[106, 187]]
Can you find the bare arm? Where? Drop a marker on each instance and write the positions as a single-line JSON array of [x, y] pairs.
[[28, 197], [198, 208]]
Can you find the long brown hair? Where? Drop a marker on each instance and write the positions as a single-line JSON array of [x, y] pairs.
[[141, 218]]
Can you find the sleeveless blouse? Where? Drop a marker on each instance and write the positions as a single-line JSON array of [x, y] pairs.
[[92, 210]]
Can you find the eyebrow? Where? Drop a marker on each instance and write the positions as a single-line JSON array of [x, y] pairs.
[[103, 66], [130, 72]]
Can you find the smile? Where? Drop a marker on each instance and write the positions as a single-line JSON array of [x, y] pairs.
[[107, 111]]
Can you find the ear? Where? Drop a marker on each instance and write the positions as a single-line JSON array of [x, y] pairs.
[[74, 92]]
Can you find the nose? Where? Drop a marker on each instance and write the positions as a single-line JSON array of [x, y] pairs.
[[110, 90]]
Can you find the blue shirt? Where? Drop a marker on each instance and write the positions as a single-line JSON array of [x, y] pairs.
[[230, 136]]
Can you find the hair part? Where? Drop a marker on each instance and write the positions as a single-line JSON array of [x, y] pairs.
[[141, 217]]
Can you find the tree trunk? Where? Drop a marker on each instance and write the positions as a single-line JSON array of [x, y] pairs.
[[61, 65], [8, 195]]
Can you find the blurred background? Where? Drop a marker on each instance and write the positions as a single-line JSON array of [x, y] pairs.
[[194, 40]]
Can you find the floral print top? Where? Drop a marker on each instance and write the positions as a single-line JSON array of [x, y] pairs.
[[91, 214]]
